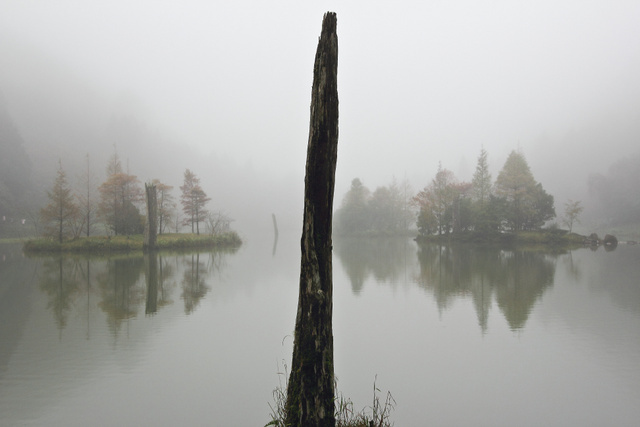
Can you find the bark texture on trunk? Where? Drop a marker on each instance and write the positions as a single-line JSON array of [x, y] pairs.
[[310, 391], [151, 229]]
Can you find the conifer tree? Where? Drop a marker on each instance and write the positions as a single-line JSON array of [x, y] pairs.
[[59, 215]]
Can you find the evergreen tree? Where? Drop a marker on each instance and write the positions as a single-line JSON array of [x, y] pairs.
[[528, 206], [353, 216], [484, 219], [482, 179]]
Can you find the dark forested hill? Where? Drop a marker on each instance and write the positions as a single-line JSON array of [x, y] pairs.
[[15, 168]]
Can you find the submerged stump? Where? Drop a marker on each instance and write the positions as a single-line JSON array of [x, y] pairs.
[[310, 390]]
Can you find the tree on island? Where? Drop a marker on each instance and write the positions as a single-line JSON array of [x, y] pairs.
[[572, 211], [516, 202], [119, 195], [486, 207], [86, 200], [528, 206], [482, 184], [60, 215], [436, 203], [166, 204], [193, 201]]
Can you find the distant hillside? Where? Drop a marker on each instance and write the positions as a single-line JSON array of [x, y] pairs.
[[15, 168]]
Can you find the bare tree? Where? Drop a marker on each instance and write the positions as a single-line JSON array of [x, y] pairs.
[[87, 202], [166, 204], [572, 211], [217, 223]]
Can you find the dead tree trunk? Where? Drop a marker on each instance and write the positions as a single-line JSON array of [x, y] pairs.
[[310, 391], [151, 229]]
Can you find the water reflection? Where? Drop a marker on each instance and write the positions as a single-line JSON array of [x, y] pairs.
[[194, 287], [515, 279], [383, 258], [60, 283], [124, 283]]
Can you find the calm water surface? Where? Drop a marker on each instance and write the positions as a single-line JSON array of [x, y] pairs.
[[461, 336]]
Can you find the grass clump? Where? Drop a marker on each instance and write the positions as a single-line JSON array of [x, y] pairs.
[[376, 415]]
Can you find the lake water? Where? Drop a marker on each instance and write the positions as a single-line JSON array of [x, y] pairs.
[[460, 336]]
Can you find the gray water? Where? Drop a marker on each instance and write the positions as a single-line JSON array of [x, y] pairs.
[[460, 336]]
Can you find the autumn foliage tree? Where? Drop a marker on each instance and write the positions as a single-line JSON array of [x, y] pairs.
[[436, 203], [60, 215], [516, 202], [193, 200], [119, 196]]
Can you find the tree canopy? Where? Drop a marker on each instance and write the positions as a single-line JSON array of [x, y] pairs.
[[515, 202]]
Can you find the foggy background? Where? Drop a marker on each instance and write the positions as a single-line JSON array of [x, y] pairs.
[[223, 88]]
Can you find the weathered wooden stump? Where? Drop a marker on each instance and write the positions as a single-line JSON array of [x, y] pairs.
[[310, 391]]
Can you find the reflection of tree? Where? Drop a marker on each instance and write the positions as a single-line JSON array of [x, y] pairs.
[[166, 272], [120, 295], [383, 257], [151, 270], [193, 285], [85, 276], [525, 277], [60, 282], [158, 271], [516, 277]]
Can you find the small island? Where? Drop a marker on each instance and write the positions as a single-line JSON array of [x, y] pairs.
[[114, 220], [133, 243]]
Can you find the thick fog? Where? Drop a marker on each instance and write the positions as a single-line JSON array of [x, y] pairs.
[[223, 88]]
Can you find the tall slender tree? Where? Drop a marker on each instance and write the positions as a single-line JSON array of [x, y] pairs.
[[515, 184], [193, 200], [166, 204], [61, 212], [86, 196], [482, 179]]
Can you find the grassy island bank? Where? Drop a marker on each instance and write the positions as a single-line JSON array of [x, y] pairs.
[[108, 244], [550, 237]]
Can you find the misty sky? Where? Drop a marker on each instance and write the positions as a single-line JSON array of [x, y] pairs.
[[419, 82]]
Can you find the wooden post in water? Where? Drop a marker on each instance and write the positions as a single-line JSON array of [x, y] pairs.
[[310, 391], [151, 228]]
